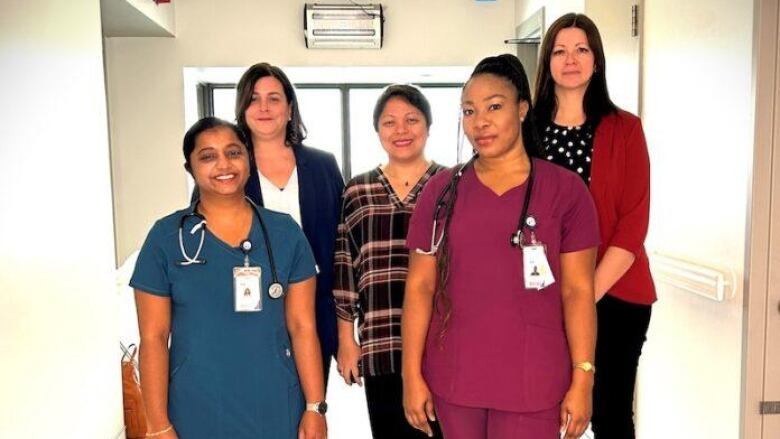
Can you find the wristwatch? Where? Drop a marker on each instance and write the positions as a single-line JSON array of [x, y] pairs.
[[320, 407], [586, 366]]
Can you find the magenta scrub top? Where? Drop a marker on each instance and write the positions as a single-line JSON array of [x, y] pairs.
[[505, 347]]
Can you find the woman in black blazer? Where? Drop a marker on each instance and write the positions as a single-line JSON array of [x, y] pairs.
[[267, 111]]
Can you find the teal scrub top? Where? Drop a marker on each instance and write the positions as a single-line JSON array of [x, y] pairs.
[[231, 374]]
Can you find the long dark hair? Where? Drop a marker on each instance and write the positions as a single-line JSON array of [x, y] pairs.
[[295, 131], [597, 103], [510, 68]]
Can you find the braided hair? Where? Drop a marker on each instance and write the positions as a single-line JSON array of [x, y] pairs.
[[507, 67]]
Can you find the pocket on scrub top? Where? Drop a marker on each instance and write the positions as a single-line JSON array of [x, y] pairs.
[[177, 368], [284, 355], [547, 365]]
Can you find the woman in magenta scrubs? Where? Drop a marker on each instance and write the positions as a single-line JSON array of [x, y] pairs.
[[499, 317]]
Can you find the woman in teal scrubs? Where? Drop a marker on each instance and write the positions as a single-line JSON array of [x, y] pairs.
[[242, 361]]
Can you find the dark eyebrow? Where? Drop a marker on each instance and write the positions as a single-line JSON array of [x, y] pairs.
[[497, 95], [581, 43], [254, 93]]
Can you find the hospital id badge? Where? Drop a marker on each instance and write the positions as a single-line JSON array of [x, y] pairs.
[[536, 270], [246, 289]]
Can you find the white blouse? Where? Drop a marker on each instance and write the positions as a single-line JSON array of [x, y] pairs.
[[283, 200]]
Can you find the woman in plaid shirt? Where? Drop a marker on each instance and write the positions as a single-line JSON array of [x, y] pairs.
[[371, 258]]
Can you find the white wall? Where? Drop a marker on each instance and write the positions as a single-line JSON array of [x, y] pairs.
[[552, 9], [621, 50], [698, 119], [145, 85], [59, 356]]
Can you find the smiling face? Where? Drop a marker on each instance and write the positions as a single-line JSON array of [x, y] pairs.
[[268, 111], [402, 130], [219, 163], [491, 115], [571, 60]]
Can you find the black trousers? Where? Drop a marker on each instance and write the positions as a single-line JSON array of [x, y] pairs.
[[384, 395], [326, 371], [622, 330]]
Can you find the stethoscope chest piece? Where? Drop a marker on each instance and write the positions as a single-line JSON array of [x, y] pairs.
[[516, 239], [275, 290]]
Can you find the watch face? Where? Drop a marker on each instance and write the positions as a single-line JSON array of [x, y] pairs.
[[322, 407]]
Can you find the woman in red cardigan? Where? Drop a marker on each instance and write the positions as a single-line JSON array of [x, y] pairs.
[[582, 130]]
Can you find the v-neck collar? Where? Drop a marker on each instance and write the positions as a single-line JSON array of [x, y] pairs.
[[487, 188], [394, 198], [291, 183], [226, 246]]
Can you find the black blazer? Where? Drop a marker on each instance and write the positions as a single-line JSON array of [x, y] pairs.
[[320, 186]]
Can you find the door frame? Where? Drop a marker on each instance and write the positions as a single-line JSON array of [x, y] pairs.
[[766, 89]]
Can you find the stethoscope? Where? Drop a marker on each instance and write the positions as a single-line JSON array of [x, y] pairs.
[[275, 289], [515, 239]]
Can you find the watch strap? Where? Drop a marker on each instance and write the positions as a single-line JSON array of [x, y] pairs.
[[320, 407]]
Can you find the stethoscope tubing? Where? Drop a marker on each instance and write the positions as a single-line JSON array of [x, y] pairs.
[[194, 260], [202, 226], [516, 237]]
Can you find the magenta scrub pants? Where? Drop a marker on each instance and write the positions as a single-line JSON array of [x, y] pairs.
[[459, 422]]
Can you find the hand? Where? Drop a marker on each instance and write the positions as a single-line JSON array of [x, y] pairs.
[[576, 409], [312, 426], [347, 360], [418, 405]]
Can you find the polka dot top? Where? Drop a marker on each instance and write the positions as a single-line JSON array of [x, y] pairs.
[[570, 147]]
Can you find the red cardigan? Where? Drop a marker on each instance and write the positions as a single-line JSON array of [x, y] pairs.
[[620, 185]]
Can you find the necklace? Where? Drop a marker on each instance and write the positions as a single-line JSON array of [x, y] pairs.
[[406, 181]]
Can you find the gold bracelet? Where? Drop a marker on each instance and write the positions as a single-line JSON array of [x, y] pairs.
[[586, 366], [161, 432]]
